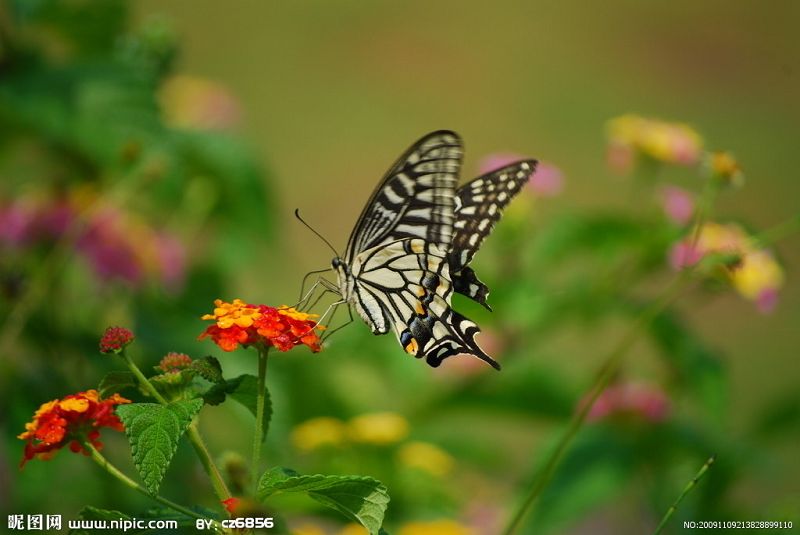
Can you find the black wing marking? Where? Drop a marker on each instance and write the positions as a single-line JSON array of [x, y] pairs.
[[415, 199], [406, 285], [479, 205]]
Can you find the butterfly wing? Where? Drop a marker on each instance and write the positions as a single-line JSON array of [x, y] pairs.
[[405, 285], [415, 199], [479, 205]]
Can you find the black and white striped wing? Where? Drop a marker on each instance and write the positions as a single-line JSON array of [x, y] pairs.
[[415, 199], [479, 205], [405, 285]]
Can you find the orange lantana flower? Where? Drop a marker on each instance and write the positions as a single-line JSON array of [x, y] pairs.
[[68, 421], [241, 323]]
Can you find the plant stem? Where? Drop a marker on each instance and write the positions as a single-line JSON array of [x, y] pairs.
[[146, 384], [217, 481], [258, 435], [689, 487], [704, 209], [192, 432], [125, 480], [778, 232], [604, 376]]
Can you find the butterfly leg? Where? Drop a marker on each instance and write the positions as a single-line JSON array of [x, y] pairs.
[[305, 296], [333, 306], [343, 325], [328, 287]]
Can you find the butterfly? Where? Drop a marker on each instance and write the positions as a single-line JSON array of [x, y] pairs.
[[413, 242]]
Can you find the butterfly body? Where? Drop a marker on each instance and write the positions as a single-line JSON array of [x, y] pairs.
[[412, 244]]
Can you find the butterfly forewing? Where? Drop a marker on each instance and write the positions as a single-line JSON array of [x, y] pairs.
[[415, 199], [479, 205]]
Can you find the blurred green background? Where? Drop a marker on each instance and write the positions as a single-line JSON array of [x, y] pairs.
[[319, 98]]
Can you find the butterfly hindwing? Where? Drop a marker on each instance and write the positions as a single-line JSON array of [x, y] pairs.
[[415, 199], [479, 205], [405, 285]]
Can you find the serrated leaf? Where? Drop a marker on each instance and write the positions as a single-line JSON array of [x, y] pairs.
[[116, 382], [153, 432], [217, 393], [208, 368], [359, 498]]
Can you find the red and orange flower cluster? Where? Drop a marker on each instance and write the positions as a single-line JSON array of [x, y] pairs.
[[68, 421], [241, 323]]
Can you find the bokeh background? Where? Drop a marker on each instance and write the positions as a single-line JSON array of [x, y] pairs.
[[197, 128]]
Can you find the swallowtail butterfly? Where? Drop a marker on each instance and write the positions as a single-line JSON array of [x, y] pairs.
[[412, 245]]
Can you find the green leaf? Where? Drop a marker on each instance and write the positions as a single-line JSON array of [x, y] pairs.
[[695, 364], [116, 382], [359, 498], [184, 521], [208, 368], [153, 432], [246, 393]]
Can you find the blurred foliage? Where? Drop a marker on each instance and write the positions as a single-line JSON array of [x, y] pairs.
[[124, 202]]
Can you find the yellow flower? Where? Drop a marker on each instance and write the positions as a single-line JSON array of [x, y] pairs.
[[307, 529], [198, 104], [353, 529], [426, 457], [719, 238], [723, 167], [435, 527], [317, 432], [236, 313], [297, 315], [757, 272], [667, 142], [378, 428]]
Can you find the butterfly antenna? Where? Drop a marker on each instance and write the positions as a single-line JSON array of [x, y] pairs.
[[320, 236]]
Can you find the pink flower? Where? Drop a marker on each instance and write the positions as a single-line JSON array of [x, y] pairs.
[[56, 218], [645, 402], [495, 161], [678, 204], [547, 181], [684, 255], [171, 258], [766, 300], [16, 223], [108, 249]]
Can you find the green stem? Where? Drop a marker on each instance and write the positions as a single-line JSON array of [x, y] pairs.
[[217, 481], [258, 435], [704, 209], [144, 381], [604, 376], [128, 482], [778, 232], [686, 490]]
